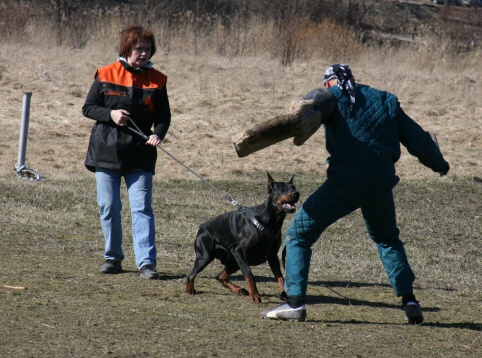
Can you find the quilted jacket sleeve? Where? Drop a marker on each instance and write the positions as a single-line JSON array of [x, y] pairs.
[[420, 144]]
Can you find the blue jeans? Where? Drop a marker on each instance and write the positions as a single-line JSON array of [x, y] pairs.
[[139, 186], [336, 198]]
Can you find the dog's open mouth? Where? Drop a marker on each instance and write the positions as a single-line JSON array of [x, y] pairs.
[[289, 206]]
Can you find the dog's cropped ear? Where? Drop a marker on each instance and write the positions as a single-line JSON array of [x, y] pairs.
[[270, 183], [291, 180]]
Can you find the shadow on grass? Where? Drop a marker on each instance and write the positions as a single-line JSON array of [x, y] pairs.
[[343, 300], [314, 300], [319, 299], [328, 284], [351, 284], [459, 325], [163, 277]]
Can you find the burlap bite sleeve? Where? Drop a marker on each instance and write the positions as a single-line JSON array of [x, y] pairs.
[[301, 122]]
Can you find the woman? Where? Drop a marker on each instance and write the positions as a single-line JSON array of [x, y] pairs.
[[128, 88]]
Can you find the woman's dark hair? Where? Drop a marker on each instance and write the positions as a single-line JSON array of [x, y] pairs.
[[132, 36]]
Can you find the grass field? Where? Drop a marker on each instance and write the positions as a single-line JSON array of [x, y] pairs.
[[55, 303], [51, 246]]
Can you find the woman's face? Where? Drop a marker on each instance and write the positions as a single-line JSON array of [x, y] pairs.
[[140, 54]]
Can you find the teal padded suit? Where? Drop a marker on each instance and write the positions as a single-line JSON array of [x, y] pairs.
[[364, 145]]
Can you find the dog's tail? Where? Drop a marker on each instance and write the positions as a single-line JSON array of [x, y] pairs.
[[283, 296]]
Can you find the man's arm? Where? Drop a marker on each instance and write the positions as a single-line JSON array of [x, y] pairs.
[[420, 144]]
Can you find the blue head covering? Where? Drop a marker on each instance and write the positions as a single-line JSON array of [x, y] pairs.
[[346, 81]]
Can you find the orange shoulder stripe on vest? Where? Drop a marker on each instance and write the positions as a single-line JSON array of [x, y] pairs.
[[116, 73]]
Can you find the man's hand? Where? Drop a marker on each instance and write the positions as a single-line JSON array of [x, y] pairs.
[[447, 168]]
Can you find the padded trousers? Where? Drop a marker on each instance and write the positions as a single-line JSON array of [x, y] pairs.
[[337, 197]]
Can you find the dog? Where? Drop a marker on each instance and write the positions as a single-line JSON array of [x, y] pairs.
[[246, 237]]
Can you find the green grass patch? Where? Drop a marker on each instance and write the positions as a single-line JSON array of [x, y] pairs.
[[51, 244]]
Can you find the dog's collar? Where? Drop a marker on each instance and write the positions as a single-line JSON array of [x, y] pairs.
[[258, 225]]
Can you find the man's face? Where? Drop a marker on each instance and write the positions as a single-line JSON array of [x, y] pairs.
[[331, 83]]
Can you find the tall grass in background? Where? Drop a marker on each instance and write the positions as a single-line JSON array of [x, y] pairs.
[[241, 66], [286, 34]]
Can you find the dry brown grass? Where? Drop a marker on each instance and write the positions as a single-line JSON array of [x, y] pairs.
[[213, 97], [222, 80]]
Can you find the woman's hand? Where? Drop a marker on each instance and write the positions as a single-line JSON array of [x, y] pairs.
[[154, 140], [119, 117]]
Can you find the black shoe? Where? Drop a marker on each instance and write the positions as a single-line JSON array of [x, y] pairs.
[[149, 271], [414, 312], [111, 266]]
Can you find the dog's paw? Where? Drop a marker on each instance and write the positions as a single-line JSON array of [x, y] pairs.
[[191, 292], [256, 299], [243, 292]]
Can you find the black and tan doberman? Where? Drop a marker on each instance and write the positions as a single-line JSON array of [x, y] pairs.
[[246, 237]]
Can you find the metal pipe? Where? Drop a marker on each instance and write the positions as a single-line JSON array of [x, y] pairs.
[[22, 143], [20, 169]]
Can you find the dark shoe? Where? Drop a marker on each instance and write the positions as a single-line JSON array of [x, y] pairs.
[[286, 313], [414, 313], [111, 266], [149, 272]]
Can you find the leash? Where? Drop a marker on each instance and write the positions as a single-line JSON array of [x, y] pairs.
[[137, 131]]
